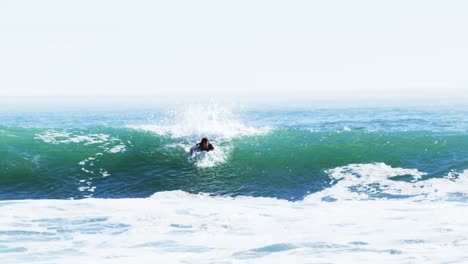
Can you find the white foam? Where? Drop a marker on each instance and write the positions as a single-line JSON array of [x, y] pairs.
[[117, 149], [106, 142], [51, 136], [377, 181], [57, 137], [87, 188], [177, 227], [210, 159], [196, 121], [104, 173]]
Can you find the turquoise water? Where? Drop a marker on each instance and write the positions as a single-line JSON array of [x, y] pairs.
[[280, 153]]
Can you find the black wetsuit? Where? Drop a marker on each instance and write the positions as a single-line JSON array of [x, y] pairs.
[[199, 148]]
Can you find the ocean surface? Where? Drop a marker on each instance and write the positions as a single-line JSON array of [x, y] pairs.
[[308, 185]]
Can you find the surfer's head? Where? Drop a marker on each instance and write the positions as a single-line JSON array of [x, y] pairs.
[[204, 143]]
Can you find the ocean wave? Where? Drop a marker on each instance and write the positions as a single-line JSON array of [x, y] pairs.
[[283, 163]]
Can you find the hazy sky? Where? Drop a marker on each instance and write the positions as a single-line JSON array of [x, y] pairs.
[[274, 49]]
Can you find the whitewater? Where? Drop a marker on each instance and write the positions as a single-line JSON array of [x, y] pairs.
[[311, 185]]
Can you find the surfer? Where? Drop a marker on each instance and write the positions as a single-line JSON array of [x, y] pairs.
[[204, 145]]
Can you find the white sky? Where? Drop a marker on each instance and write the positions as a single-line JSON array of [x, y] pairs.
[[257, 49]]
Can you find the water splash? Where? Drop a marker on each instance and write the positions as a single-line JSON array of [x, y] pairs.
[[195, 121], [210, 159]]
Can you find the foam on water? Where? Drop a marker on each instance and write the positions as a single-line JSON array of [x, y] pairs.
[[60, 137], [175, 227], [108, 143], [381, 181], [210, 159], [420, 220], [117, 149]]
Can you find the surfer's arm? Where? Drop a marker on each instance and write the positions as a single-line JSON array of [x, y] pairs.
[[192, 150]]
